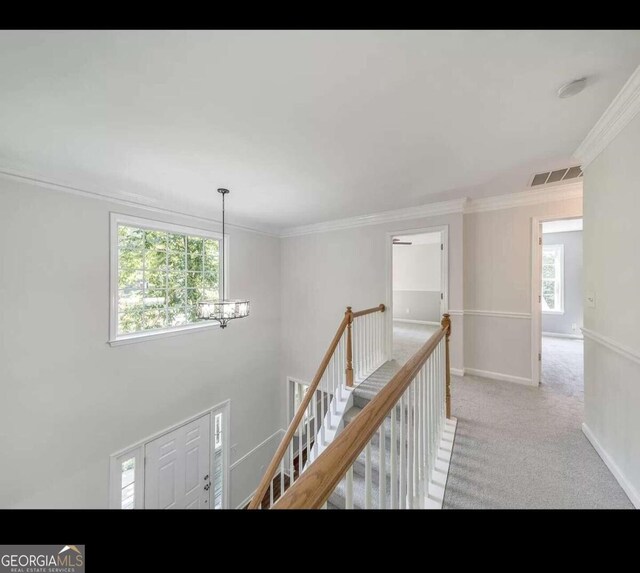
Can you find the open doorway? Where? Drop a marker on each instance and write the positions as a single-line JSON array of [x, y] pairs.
[[562, 353], [418, 286]]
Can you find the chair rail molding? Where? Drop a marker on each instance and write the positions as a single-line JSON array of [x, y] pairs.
[[611, 344], [616, 117], [491, 313], [498, 314]]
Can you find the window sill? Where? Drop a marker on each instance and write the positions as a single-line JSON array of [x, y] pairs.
[[553, 312], [162, 333]]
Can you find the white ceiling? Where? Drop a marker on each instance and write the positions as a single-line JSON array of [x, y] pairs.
[[302, 126], [562, 226]]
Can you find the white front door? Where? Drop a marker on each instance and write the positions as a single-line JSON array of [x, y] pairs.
[[177, 468]]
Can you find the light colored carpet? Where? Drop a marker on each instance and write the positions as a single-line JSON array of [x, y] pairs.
[[522, 447], [408, 338], [519, 446], [563, 366]]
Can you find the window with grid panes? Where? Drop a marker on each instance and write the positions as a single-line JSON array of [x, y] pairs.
[[162, 276]]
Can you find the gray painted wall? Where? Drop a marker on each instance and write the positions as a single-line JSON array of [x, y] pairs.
[[416, 305], [573, 307], [69, 400]]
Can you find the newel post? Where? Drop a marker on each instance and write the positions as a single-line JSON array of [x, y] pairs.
[[349, 370], [446, 323]]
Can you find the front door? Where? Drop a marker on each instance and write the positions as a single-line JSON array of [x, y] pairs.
[[177, 468]]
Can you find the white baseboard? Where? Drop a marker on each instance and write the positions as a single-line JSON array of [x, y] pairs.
[[458, 371], [631, 492], [562, 335], [430, 323], [499, 376]]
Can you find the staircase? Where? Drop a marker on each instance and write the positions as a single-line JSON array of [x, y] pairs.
[[379, 433]]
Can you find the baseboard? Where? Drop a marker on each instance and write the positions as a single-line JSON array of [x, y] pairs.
[[631, 492], [499, 376], [429, 322], [562, 335], [457, 371]]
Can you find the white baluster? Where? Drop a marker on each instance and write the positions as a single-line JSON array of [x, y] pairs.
[[349, 489], [419, 469], [291, 468], [323, 393], [410, 423], [402, 493], [281, 477], [394, 461], [308, 424], [271, 494], [382, 467], [367, 476]]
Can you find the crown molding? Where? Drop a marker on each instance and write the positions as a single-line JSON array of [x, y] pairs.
[[135, 201], [616, 117], [548, 194], [553, 192], [428, 210]]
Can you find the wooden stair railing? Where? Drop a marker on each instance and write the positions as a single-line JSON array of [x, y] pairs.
[[365, 350], [425, 403]]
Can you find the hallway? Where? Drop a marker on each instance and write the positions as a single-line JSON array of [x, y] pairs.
[[521, 446], [563, 365]]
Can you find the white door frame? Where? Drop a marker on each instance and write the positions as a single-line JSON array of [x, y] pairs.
[[444, 274], [536, 291], [138, 450]]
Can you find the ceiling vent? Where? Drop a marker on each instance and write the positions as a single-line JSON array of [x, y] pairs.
[[556, 176]]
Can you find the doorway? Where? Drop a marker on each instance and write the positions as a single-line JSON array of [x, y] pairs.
[[419, 297], [185, 468], [561, 352]]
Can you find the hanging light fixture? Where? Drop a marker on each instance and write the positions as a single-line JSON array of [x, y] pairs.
[[223, 310]]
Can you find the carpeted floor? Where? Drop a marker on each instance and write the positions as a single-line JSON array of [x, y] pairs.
[[563, 366], [521, 446], [408, 338]]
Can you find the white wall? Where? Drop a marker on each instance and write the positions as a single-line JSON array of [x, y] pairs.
[[612, 273], [322, 273], [417, 281], [497, 279], [416, 267], [69, 400], [572, 315]]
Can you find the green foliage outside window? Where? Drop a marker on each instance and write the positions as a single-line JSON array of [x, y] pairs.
[[162, 277]]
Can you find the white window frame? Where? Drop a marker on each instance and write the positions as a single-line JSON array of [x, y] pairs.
[[137, 451], [559, 279], [116, 219], [115, 495]]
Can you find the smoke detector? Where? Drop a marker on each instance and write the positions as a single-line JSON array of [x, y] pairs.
[[572, 88]]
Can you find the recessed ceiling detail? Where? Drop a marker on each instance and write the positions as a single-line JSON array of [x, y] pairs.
[[556, 176]]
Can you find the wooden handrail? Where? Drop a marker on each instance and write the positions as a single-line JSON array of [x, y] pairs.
[[379, 308], [306, 399], [314, 487]]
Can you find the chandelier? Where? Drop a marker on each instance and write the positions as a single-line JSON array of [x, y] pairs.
[[223, 310]]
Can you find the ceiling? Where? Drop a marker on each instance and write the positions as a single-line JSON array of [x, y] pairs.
[[302, 126]]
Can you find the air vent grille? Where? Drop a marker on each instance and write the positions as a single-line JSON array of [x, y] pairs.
[[555, 176]]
